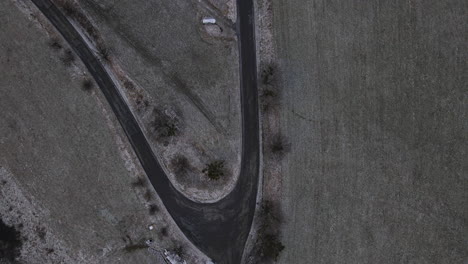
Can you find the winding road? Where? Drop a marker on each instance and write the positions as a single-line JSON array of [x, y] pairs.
[[218, 229]]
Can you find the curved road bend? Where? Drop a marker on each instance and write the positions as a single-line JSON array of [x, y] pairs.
[[219, 229]]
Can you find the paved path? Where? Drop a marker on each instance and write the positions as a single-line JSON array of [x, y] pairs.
[[218, 229]]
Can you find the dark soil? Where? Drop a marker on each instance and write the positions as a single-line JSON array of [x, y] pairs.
[[10, 242]]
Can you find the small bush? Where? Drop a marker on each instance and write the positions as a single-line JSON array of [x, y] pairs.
[[68, 57], [180, 164], [87, 25], [178, 250], [69, 8], [103, 51], [140, 182], [279, 145], [269, 98], [153, 209], [268, 246], [163, 126], [129, 85], [164, 232], [214, 170], [267, 74], [169, 130], [269, 93], [55, 44], [87, 85], [271, 247], [148, 195]]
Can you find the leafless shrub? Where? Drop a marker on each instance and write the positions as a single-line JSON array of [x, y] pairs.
[[269, 98], [267, 74], [279, 145], [180, 164], [214, 170], [55, 44], [268, 245], [68, 57], [68, 7], [128, 85], [178, 250], [72, 10], [163, 126], [148, 195], [87, 25], [103, 51], [153, 209], [140, 101], [164, 232], [139, 182], [87, 84]]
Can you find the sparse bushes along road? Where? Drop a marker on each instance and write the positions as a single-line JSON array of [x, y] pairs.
[[269, 95], [268, 246], [268, 74]]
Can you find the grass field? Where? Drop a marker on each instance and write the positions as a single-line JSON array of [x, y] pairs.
[[374, 105], [162, 47], [67, 173]]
